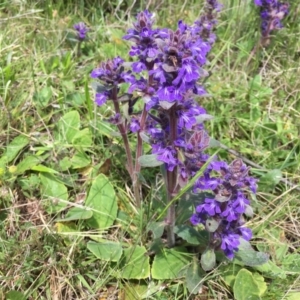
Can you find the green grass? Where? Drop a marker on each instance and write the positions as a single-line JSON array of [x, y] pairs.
[[256, 104]]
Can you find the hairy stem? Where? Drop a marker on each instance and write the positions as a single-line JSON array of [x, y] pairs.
[[123, 132], [171, 181]]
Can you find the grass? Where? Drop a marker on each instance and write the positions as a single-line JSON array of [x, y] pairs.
[[256, 107]]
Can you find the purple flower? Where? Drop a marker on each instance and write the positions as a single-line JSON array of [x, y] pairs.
[[100, 99], [134, 124], [81, 30], [271, 12], [168, 156], [230, 243]]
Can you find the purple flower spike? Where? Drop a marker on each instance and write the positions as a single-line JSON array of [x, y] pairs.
[[81, 31], [271, 12]]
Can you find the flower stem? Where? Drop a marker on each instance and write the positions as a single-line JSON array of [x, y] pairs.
[[171, 181], [123, 132]]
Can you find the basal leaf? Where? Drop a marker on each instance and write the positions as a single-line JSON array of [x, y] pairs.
[[15, 295], [170, 263], [102, 200], [194, 275], [68, 126], [245, 286], [135, 263], [108, 251], [157, 229], [27, 163], [191, 235], [83, 138], [13, 148], [42, 168], [55, 191], [76, 213]]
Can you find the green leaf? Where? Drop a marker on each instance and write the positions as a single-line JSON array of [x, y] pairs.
[[262, 286], [157, 229], [13, 148], [15, 295], [68, 126], [27, 163], [208, 260], [245, 286], [229, 272], [271, 270], [102, 200], [43, 97], [191, 235], [249, 256], [76, 213], [42, 168], [268, 181], [149, 160], [55, 191], [194, 275], [80, 160], [135, 263], [105, 129], [108, 251], [83, 138], [293, 296], [170, 263]]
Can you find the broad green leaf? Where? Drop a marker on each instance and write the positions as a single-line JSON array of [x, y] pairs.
[[249, 256], [271, 270], [134, 291], [13, 148], [135, 263], [208, 260], [157, 229], [65, 164], [68, 126], [105, 129], [191, 235], [76, 213], [262, 286], [66, 227], [83, 138], [268, 181], [108, 251], [102, 200], [170, 263], [245, 286], [80, 160], [229, 272], [194, 275], [43, 97], [42, 168], [55, 191], [27, 163], [293, 296], [149, 160], [15, 295]]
